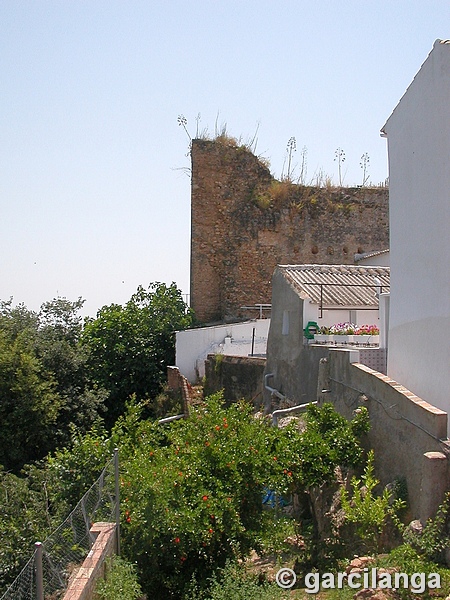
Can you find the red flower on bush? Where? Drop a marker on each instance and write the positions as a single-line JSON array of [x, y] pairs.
[[204, 498], [177, 540]]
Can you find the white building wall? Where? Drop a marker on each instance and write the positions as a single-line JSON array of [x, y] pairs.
[[193, 345], [330, 317], [418, 135]]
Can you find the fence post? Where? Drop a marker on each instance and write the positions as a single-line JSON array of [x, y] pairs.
[[39, 573], [116, 476]]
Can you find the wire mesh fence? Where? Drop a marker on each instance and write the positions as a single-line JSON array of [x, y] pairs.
[[67, 547]]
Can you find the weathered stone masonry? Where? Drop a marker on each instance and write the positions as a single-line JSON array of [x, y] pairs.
[[244, 223]]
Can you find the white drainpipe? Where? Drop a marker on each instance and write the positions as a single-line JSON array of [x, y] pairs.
[[272, 390], [282, 411], [170, 419]]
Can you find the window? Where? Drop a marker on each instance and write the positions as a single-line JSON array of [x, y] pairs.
[[285, 327]]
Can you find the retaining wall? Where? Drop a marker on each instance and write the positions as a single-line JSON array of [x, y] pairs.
[[239, 377], [408, 435]]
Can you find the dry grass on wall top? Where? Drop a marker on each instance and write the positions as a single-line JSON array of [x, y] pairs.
[[285, 194], [245, 222]]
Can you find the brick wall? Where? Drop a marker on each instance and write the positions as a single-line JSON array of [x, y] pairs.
[[83, 583], [244, 223]]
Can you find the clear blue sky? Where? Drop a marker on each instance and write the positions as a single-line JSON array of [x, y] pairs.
[[94, 198]]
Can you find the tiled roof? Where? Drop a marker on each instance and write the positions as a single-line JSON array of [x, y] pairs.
[[338, 285]]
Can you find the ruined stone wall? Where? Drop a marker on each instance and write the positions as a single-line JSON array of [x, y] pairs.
[[240, 377], [244, 223]]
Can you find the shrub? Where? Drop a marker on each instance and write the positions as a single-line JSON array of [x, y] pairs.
[[234, 583], [435, 537], [194, 501], [369, 512], [120, 582], [193, 496], [407, 560]]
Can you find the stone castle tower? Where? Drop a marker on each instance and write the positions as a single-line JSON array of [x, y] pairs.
[[244, 223]]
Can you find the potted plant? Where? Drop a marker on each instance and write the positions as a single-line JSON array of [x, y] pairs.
[[323, 336], [344, 332], [368, 335]]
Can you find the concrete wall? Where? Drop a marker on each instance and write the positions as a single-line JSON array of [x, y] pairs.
[[238, 377], [418, 133], [244, 223], [293, 364], [408, 435], [235, 339]]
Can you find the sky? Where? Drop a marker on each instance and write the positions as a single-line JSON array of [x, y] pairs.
[[94, 180]]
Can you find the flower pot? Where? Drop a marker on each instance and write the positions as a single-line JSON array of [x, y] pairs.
[[363, 340], [323, 338], [374, 340]]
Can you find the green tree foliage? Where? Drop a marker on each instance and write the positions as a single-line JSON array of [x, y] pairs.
[[61, 353], [44, 385], [29, 403], [120, 582], [130, 347], [24, 519], [328, 441], [369, 511], [192, 492]]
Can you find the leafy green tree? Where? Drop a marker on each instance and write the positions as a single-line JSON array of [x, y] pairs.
[[24, 519], [29, 404], [193, 492], [44, 386], [61, 353], [129, 347]]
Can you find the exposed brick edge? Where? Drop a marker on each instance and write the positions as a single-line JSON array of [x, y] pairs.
[[82, 585], [402, 390], [177, 381]]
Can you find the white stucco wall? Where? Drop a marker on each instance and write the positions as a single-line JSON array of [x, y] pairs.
[[330, 317], [193, 345], [418, 133]]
